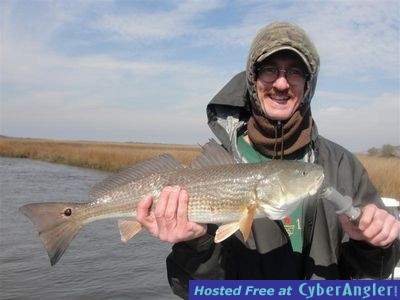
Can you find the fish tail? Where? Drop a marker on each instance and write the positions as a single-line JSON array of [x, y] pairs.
[[57, 224]]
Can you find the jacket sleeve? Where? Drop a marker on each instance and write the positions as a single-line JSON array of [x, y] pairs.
[[360, 259], [200, 258]]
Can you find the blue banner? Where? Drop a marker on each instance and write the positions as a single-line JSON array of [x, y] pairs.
[[294, 289]]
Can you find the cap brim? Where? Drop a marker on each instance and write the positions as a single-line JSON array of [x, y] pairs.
[[301, 55]]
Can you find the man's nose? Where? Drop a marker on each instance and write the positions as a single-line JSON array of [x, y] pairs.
[[281, 83]]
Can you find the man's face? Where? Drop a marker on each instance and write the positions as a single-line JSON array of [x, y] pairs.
[[280, 99]]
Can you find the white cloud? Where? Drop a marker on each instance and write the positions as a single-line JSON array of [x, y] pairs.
[[358, 37], [360, 128], [54, 87], [53, 115], [103, 97], [354, 38], [325, 99], [158, 25]]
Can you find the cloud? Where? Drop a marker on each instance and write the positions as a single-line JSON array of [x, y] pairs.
[[144, 71], [149, 25], [53, 115], [360, 128], [357, 39], [101, 97]]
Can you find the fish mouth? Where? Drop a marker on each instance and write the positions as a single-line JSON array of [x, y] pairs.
[[316, 185]]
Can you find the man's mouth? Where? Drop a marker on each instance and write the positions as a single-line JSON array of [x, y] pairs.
[[278, 98]]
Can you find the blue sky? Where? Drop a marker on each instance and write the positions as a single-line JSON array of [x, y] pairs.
[[144, 71]]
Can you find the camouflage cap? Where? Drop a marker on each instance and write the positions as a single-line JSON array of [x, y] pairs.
[[275, 37]]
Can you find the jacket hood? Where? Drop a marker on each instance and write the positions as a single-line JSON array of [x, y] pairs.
[[275, 37]]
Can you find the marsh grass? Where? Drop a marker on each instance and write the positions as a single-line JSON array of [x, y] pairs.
[[111, 157], [384, 173]]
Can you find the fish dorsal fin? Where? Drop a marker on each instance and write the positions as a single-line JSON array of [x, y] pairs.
[[162, 163], [212, 154]]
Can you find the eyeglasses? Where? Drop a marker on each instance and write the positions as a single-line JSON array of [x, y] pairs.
[[294, 75]]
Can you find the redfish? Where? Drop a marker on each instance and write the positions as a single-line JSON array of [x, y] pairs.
[[220, 191]]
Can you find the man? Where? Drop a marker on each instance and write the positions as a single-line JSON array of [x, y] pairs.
[[262, 114]]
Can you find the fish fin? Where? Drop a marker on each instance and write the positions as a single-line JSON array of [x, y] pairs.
[[246, 220], [225, 231], [244, 225], [128, 228], [212, 154], [164, 162], [56, 225]]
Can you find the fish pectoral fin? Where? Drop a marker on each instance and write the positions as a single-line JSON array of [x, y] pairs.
[[225, 231], [128, 228], [246, 220]]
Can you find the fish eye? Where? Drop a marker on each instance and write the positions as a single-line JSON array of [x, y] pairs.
[[67, 212], [303, 173]]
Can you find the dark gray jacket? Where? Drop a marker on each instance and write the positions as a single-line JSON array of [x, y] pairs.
[[327, 251]]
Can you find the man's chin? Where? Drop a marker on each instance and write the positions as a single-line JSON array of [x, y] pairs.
[[278, 116], [278, 112]]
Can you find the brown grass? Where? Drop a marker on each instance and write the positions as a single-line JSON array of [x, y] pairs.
[[97, 155], [383, 171]]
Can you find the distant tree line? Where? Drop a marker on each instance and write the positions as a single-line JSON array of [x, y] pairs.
[[385, 151]]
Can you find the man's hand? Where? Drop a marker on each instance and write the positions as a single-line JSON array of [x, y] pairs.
[[375, 226], [169, 222]]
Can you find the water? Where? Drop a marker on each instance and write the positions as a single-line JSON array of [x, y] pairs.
[[97, 265]]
